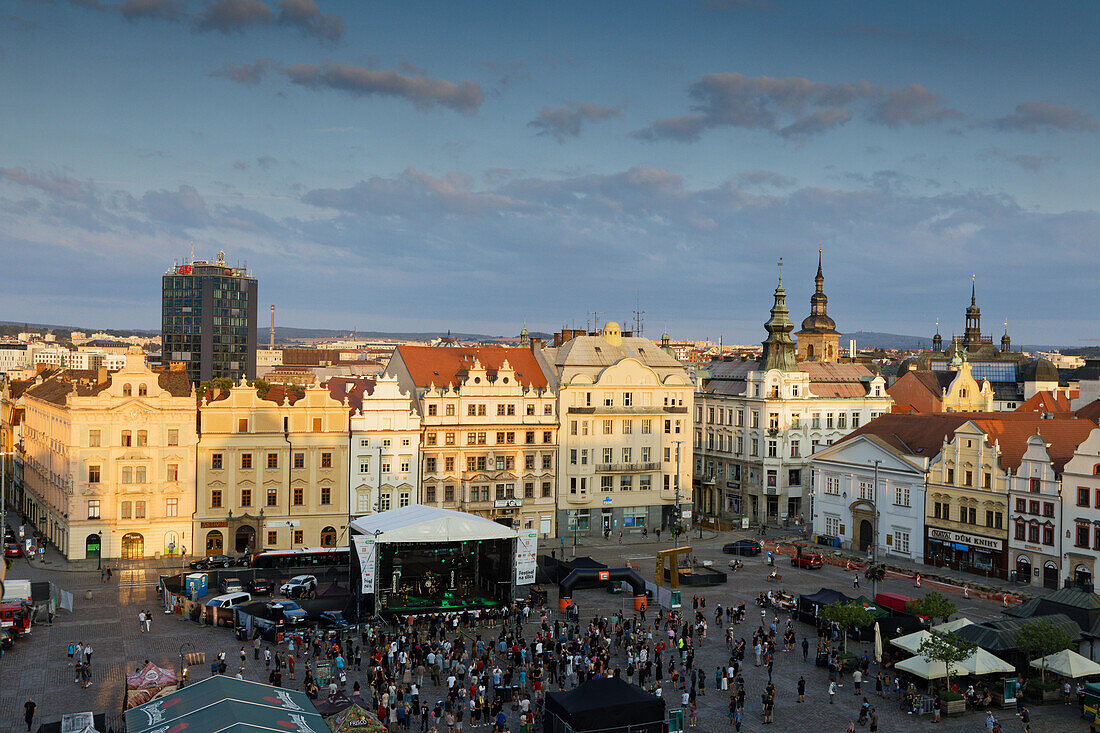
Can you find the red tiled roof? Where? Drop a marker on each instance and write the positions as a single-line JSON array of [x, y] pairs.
[[448, 365], [838, 389], [353, 388], [1062, 437], [1046, 401], [919, 435], [279, 392], [1091, 411]]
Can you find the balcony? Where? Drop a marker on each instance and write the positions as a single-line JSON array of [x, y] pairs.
[[676, 410], [626, 467]]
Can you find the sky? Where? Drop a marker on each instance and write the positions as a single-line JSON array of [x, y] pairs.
[[474, 166]]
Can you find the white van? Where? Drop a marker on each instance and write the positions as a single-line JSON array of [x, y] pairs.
[[229, 600]]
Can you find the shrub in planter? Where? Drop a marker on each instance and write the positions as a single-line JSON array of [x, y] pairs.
[[950, 696]]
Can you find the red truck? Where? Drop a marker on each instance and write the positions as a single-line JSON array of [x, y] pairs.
[[806, 558]]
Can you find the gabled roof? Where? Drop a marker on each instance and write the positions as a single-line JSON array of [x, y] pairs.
[[1046, 402], [57, 386], [917, 435], [448, 366], [821, 371], [1062, 437], [1091, 411]]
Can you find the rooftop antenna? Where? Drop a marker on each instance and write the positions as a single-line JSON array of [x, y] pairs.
[[780, 270], [596, 320]]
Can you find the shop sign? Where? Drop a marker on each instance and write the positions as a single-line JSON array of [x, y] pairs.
[[212, 525], [508, 502], [945, 535], [281, 523]]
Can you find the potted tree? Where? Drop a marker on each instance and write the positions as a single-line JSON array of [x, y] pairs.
[[951, 651], [1037, 640]]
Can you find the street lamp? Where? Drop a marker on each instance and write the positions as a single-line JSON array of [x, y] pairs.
[[874, 526], [676, 505]]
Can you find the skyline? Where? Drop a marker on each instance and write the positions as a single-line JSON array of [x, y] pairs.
[[375, 169]]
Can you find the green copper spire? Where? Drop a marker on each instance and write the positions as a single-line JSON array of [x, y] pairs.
[[779, 347]]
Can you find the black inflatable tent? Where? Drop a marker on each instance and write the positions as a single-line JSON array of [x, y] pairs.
[[604, 704], [809, 604]]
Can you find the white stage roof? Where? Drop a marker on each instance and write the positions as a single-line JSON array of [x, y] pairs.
[[416, 523]]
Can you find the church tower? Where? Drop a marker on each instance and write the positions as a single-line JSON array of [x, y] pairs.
[[818, 340], [779, 347], [972, 337]]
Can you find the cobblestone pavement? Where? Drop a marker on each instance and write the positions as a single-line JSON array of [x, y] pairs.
[[37, 667]]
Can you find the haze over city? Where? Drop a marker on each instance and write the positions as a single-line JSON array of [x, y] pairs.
[[474, 166]]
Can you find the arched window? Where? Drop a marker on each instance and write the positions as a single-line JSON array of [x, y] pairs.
[[810, 352], [126, 390], [1096, 470], [142, 390], [214, 542], [133, 546], [328, 537]]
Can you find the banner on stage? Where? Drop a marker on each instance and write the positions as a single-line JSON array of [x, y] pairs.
[[366, 551], [527, 546]]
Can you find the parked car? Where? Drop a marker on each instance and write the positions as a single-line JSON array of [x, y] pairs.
[[7, 638], [9, 535], [12, 549], [292, 612], [260, 586], [228, 600], [743, 547], [244, 560], [212, 561], [232, 585], [333, 620], [804, 559], [298, 586]]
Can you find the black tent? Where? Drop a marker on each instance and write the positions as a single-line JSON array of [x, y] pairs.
[[558, 570], [809, 604], [608, 703]]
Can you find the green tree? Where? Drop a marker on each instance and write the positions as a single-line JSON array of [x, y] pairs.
[[1043, 637], [217, 383], [934, 605], [846, 616], [947, 648], [262, 386]]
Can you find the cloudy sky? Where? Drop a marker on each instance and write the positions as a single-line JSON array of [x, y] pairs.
[[465, 165]]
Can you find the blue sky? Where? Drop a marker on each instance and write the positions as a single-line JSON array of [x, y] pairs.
[[434, 165]]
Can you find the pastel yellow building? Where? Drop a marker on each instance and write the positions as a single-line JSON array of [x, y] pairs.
[[108, 461], [272, 470]]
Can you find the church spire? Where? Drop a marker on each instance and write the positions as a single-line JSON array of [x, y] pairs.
[[779, 347]]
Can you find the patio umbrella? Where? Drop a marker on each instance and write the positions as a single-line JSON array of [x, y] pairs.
[[911, 642], [952, 625], [1068, 664], [927, 669], [878, 643], [982, 662]]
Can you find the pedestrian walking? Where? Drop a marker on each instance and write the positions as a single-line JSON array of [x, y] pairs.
[[28, 712], [805, 649], [857, 678], [71, 650], [141, 622], [832, 691], [936, 704], [148, 621], [855, 580], [801, 689]]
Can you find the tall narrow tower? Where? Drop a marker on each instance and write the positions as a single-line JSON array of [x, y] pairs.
[[779, 348], [818, 340], [271, 338]]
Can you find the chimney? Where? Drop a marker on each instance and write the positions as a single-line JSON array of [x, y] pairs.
[[101, 375], [536, 343], [271, 344]]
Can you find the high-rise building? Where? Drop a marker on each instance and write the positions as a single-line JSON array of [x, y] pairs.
[[208, 319]]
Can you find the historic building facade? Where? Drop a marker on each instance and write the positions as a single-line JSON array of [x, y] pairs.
[[272, 470], [109, 460], [626, 442], [489, 431], [1036, 517], [384, 470], [818, 339], [1080, 514], [757, 423]]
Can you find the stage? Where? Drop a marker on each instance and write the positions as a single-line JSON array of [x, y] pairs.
[[421, 559]]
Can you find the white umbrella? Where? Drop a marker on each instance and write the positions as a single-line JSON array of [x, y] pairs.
[[911, 642], [927, 669], [878, 643], [952, 625], [982, 662], [1068, 664]]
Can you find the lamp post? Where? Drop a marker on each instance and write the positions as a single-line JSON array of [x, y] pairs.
[[676, 482], [4, 487], [874, 525]]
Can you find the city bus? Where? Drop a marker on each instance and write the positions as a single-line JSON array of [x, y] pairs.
[[310, 558]]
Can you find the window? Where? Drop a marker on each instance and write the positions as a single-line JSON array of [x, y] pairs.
[[668, 427], [754, 447], [1082, 496], [429, 494], [772, 449], [273, 537], [529, 490], [573, 485], [173, 472], [297, 536], [93, 509], [968, 478], [832, 485], [127, 390], [1020, 531], [326, 495], [950, 475], [246, 460], [1048, 535], [607, 483], [242, 425], [127, 509], [429, 465], [299, 496], [1021, 505], [142, 437], [93, 439], [529, 462], [987, 480], [647, 427], [989, 519], [855, 424], [1033, 532], [93, 474], [449, 410], [449, 464], [572, 456], [626, 482], [1081, 539], [299, 460], [429, 439], [139, 510], [385, 465], [828, 421], [547, 461], [449, 439], [795, 449], [215, 498], [901, 495], [794, 477], [901, 539], [127, 475], [317, 424], [832, 526], [127, 440], [364, 465], [548, 409], [448, 493], [326, 460], [1033, 507], [273, 497], [1048, 509], [246, 497], [842, 421], [431, 410]]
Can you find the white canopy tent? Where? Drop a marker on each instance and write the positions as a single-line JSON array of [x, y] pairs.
[[418, 523], [982, 662], [927, 669], [952, 625], [911, 642], [1067, 664]]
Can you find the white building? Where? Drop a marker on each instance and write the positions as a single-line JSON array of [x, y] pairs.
[[625, 407], [757, 424], [13, 357], [1081, 512], [844, 491], [384, 466], [1034, 510]]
